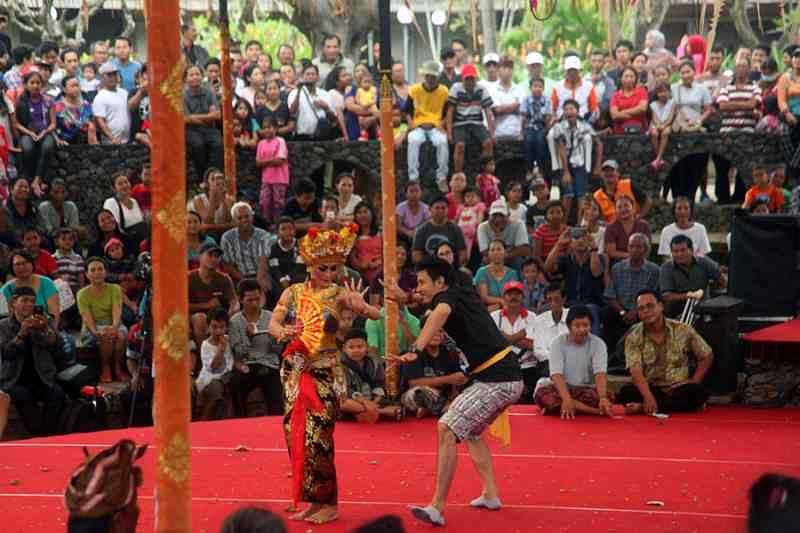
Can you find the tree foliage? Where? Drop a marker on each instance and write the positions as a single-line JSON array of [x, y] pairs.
[[271, 33]]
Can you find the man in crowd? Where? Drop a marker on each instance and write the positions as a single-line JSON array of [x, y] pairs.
[[110, 107], [628, 278], [127, 68], [577, 381], [574, 87], [449, 75], [511, 232], [459, 48], [469, 105], [517, 325], [246, 248], [330, 58], [622, 56], [22, 56], [209, 289], [760, 53], [657, 355], [194, 53], [407, 331], [549, 325], [425, 109], [436, 231], [506, 103], [603, 85], [535, 64], [614, 187], [202, 112], [304, 207], [99, 52], [256, 354], [686, 276], [490, 66], [30, 346]]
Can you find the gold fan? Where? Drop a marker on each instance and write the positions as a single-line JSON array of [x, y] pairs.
[[310, 322]]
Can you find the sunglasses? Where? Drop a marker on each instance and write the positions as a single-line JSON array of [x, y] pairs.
[[326, 268]]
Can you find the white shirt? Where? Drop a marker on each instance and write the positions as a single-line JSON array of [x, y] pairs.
[[507, 125], [524, 321], [307, 116], [697, 232], [349, 208], [545, 331], [113, 107], [519, 213], [132, 216], [207, 353]]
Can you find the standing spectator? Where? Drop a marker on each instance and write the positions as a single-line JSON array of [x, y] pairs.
[[217, 367], [277, 110], [470, 216], [126, 210], [683, 213], [492, 277], [740, 102], [23, 61], [614, 187], [449, 75], [433, 379], [687, 276], [272, 157], [629, 105], [194, 53], [789, 105], [34, 120], [329, 58], [412, 212], [203, 139], [622, 57], [511, 232], [127, 68], [549, 325], [517, 325], [286, 54], [366, 256], [619, 232], [507, 101], [74, 118], [246, 248], [57, 212], [538, 117], [425, 109], [256, 354], [253, 82], [314, 110], [455, 198], [99, 52], [763, 189], [345, 185], [469, 105], [304, 208], [366, 97], [535, 63], [28, 374], [603, 85], [537, 205], [342, 93], [656, 52], [110, 108], [574, 87], [462, 56], [141, 191], [547, 235], [139, 108], [436, 231]]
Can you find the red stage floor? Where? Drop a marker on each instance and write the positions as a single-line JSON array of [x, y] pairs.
[[587, 475]]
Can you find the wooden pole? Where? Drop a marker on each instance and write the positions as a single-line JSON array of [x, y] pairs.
[[388, 192], [170, 304], [228, 142]]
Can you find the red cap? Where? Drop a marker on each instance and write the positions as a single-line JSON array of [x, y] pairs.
[[513, 286], [111, 242], [469, 71]]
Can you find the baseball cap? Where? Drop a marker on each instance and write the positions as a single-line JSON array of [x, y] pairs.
[[491, 57], [572, 62], [210, 247], [108, 67], [111, 242], [498, 207], [610, 163], [469, 71], [534, 58], [513, 286], [430, 68]]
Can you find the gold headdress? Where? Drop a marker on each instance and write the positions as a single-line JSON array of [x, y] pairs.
[[319, 244]]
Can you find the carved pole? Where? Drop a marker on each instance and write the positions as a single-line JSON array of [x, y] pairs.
[[228, 141], [388, 191], [170, 304]]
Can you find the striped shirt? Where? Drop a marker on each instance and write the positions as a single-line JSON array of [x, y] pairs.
[[741, 119], [469, 105], [69, 268], [246, 254]]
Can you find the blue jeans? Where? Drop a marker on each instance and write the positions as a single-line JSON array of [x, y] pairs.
[[579, 186], [535, 147]]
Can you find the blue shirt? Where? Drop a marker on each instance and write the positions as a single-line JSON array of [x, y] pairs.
[[128, 73], [495, 285]]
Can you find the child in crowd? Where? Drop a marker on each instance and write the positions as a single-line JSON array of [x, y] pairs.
[[329, 211], [285, 262], [272, 157], [537, 204], [347, 320], [71, 270], [259, 100], [44, 263], [141, 191], [771, 123], [662, 111], [778, 180], [516, 208], [763, 189], [367, 97], [534, 286], [143, 109], [116, 261], [537, 117], [365, 398], [89, 82], [217, 365], [244, 125], [487, 183], [661, 75], [470, 216]]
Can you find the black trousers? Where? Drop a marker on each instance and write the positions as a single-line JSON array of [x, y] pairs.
[[722, 186], [686, 175], [26, 398], [267, 379], [36, 155], [530, 376], [688, 397], [205, 148]]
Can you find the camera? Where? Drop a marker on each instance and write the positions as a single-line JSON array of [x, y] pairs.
[[577, 233], [38, 311]]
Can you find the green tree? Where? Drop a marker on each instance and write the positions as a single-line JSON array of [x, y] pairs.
[[271, 33]]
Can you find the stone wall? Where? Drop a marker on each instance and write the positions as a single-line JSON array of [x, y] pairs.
[[86, 169]]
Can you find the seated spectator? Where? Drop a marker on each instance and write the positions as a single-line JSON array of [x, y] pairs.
[[683, 212], [629, 105], [213, 205], [256, 354], [365, 398], [461, 274], [209, 289], [22, 270], [100, 306], [366, 256], [577, 381], [346, 320], [491, 278], [628, 278], [22, 212], [455, 198], [141, 191], [657, 355], [537, 205], [615, 187], [286, 265], [548, 325], [591, 222], [203, 139], [34, 120], [425, 108], [662, 112], [433, 379], [436, 231], [5, 401], [762, 188], [406, 278], [537, 113], [547, 235], [110, 108], [470, 215], [619, 232], [272, 158], [345, 185], [106, 228], [533, 286], [304, 206], [777, 177], [195, 239], [246, 248], [469, 105], [575, 259], [517, 210], [74, 118], [30, 347], [116, 262], [517, 325], [253, 520], [44, 263], [217, 367], [487, 183], [411, 213], [70, 265], [686, 276], [511, 232], [57, 212], [126, 210]]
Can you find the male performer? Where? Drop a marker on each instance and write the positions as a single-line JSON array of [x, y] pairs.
[[495, 381]]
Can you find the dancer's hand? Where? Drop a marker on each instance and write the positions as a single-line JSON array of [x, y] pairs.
[[353, 296], [650, 405], [605, 407], [568, 409], [395, 360]]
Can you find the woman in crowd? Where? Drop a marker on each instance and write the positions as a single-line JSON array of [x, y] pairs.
[[346, 198], [195, 238], [276, 109], [57, 212], [106, 228], [22, 212], [490, 278], [253, 81], [789, 105], [366, 256], [629, 105], [100, 305], [455, 198], [406, 278], [446, 253], [639, 64], [400, 88], [683, 213], [619, 232], [342, 93], [22, 269], [591, 222], [34, 120], [126, 209], [657, 54], [74, 118], [214, 205]]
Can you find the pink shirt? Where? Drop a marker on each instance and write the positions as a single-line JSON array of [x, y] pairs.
[[272, 149]]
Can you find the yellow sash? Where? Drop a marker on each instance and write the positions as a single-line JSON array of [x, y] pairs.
[[501, 427]]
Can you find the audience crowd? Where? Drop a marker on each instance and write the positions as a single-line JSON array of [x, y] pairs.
[[571, 282]]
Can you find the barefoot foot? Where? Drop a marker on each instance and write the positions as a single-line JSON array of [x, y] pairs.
[[327, 513], [302, 515]]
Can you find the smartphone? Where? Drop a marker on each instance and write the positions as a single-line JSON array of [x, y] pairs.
[[38, 310], [330, 216], [577, 233]]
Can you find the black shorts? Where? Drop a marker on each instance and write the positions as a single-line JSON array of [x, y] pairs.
[[470, 133]]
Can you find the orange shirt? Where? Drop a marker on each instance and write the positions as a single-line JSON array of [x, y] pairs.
[[608, 207], [774, 194]]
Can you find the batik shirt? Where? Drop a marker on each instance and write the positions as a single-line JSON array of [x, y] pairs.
[[72, 120]]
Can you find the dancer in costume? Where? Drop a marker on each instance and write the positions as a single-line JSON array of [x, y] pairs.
[[495, 381], [306, 317]]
